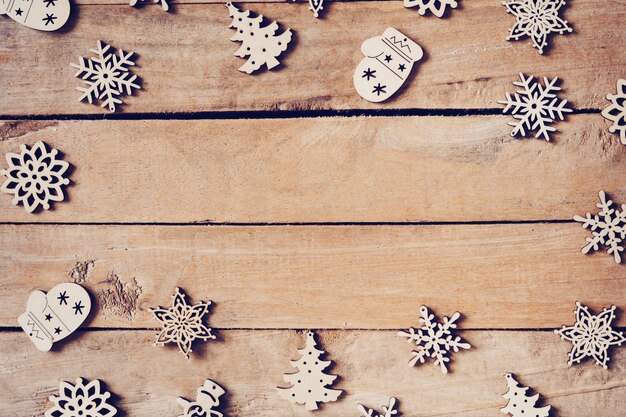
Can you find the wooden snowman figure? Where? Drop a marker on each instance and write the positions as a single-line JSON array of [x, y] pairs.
[[47, 15], [207, 398], [387, 64]]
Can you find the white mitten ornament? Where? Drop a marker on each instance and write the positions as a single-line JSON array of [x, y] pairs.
[[54, 316], [45, 15], [387, 64]]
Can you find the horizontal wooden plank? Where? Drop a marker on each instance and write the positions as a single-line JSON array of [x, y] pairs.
[[416, 169], [372, 367], [186, 61], [498, 276]]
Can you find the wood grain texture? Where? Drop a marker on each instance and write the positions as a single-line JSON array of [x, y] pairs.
[[372, 366], [416, 169], [186, 62], [498, 276]]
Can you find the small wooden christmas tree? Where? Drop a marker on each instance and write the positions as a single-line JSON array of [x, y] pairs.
[[260, 44], [521, 405], [308, 384]]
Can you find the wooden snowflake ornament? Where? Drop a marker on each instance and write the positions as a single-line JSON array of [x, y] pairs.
[[46, 15], [608, 228], [316, 6], [536, 19], [436, 7], [106, 76], [616, 112], [85, 399], [259, 43], [388, 410], [308, 385], [35, 177], [206, 403], [591, 336], [164, 4], [182, 323], [535, 107], [520, 404], [434, 340]]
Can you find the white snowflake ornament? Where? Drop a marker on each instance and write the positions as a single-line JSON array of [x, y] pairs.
[[616, 112], [535, 106], [536, 19], [608, 228], [182, 323], [315, 6], [436, 7], [591, 336], [85, 399], [106, 76], [434, 340], [388, 410], [164, 4], [35, 177]]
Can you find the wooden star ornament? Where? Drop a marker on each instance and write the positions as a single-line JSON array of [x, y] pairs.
[[182, 323]]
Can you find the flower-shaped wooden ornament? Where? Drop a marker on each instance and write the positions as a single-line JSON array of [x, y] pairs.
[[616, 112], [85, 399]]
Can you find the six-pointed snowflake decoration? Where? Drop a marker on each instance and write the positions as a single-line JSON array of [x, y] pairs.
[[436, 7], [616, 112], [591, 336], [35, 177], [82, 399], [182, 323], [388, 410], [536, 19], [608, 228], [316, 6], [535, 106], [164, 4], [434, 339], [106, 76]]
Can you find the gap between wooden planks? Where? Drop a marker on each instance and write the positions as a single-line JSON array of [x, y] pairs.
[[372, 366], [370, 277], [366, 170], [186, 61]]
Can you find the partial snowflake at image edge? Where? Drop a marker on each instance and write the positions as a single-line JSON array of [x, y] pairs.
[[434, 339], [616, 112], [316, 6], [164, 4], [608, 228], [106, 76], [35, 177], [388, 410], [591, 335], [535, 106], [436, 7], [536, 19], [81, 399]]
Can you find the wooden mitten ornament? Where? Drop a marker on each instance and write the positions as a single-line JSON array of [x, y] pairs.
[[308, 385], [260, 44], [54, 316], [45, 15], [520, 404], [388, 410], [387, 64], [207, 400], [85, 399]]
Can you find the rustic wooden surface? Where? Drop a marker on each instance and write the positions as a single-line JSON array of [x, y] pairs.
[[235, 189]]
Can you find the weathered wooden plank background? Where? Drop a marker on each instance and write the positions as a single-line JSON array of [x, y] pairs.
[[232, 188]]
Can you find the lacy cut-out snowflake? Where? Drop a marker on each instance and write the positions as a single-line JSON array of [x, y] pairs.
[[81, 400], [535, 106], [608, 228], [536, 19], [434, 339], [591, 336], [164, 4], [616, 112], [436, 7], [35, 177], [107, 76], [182, 323], [388, 410]]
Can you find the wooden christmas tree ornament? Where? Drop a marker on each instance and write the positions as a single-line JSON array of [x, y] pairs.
[[47, 15], [591, 336], [260, 44], [182, 323], [85, 399], [308, 385], [164, 4], [536, 19], [387, 64], [616, 112], [206, 403], [56, 315], [388, 410], [436, 7], [35, 177], [520, 404]]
